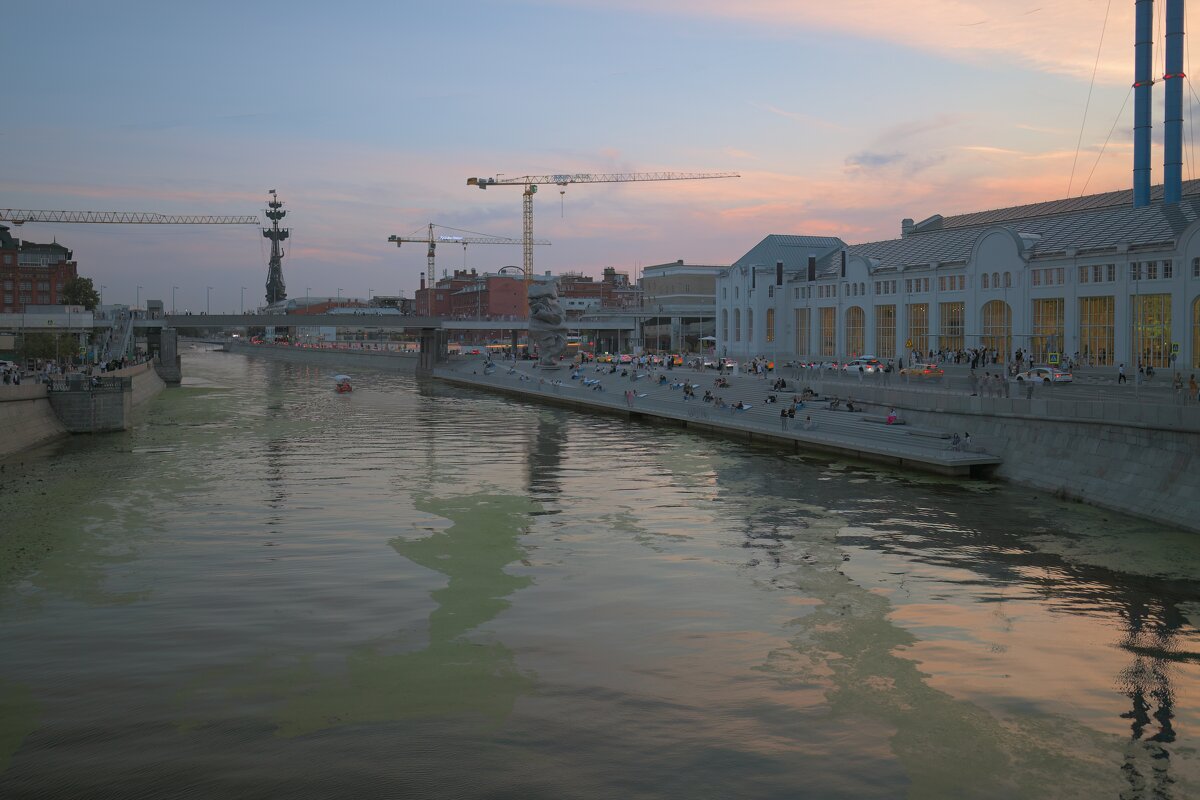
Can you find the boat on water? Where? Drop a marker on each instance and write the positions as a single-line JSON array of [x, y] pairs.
[[342, 384]]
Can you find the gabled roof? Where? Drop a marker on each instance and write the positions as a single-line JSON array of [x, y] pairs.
[[1096, 229], [1118, 199], [793, 251]]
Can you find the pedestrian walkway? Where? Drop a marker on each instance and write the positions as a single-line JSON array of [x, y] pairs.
[[857, 434]]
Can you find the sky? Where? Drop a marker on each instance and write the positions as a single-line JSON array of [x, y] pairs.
[[368, 117]]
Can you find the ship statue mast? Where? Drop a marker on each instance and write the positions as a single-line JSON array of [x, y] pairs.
[[276, 290]]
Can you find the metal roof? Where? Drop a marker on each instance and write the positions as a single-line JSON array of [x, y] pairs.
[[793, 251], [1087, 230]]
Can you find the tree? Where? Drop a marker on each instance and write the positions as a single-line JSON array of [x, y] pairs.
[[79, 292], [49, 345]]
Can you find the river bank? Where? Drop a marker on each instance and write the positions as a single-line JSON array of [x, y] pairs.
[[28, 420]]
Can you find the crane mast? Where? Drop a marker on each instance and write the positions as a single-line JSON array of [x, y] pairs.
[[531, 182]]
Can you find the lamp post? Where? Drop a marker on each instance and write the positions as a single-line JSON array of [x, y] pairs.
[[339, 295], [173, 288], [137, 303], [242, 302], [102, 288], [207, 300]]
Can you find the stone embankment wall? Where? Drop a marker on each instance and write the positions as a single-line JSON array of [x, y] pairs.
[[1137, 458], [341, 360], [26, 419], [29, 418]]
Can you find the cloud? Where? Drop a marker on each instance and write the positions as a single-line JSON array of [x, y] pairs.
[[873, 160], [1060, 38]]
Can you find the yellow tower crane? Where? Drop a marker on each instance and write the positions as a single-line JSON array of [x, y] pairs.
[[433, 240], [531, 182], [19, 216]]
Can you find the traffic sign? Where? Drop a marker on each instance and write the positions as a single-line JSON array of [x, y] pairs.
[[1053, 359]]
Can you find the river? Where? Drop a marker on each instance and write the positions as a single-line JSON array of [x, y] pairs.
[[266, 589]]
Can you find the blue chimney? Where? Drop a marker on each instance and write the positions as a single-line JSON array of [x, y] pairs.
[[1173, 110], [1142, 82]]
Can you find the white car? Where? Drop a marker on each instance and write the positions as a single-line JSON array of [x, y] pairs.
[[869, 365], [1045, 375]]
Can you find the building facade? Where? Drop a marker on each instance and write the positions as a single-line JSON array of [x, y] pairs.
[[32, 274], [1089, 278], [679, 303]]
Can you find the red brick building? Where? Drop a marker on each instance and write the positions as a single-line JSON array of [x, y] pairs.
[[32, 274]]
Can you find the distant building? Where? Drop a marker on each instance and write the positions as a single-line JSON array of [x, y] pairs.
[[32, 274], [680, 303]]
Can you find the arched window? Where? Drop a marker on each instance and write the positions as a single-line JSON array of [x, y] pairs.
[[856, 329], [995, 280], [997, 327], [1196, 333], [724, 325], [863, 287], [985, 280], [737, 324], [750, 325], [1007, 280]]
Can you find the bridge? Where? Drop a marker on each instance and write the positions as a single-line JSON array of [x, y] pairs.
[[384, 321]]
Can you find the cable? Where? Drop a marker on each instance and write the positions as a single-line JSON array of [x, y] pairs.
[[1106, 138], [1088, 104]]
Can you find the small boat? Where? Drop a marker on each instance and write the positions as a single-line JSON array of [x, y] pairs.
[[342, 384]]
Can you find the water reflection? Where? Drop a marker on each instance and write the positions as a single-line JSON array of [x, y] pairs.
[[453, 673]]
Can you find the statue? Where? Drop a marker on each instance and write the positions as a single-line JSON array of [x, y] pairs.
[[546, 328]]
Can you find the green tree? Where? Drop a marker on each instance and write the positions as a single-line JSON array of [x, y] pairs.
[[49, 345], [79, 292]]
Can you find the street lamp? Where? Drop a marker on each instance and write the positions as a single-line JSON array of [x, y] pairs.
[[207, 300], [242, 303], [339, 295], [102, 288], [173, 288], [137, 303]]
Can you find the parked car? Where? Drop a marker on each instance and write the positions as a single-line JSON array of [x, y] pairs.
[[923, 371], [1045, 375], [868, 364]]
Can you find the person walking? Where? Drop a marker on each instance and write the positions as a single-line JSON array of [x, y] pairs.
[[783, 418], [1121, 375]]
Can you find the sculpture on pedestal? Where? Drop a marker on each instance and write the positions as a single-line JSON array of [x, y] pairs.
[[546, 328]]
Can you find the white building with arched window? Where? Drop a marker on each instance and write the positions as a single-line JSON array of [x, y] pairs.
[[1091, 276]]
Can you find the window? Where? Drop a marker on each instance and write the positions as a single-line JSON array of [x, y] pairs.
[[770, 324], [724, 292], [724, 324], [737, 324], [1037, 277], [885, 331], [1007, 280], [856, 329], [802, 344], [918, 326], [1151, 270], [1195, 333], [796, 293], [1196, 267], [1096, 330], [1151, 334], [735, 293], [1167, 269], [771, 291], [1084, 274], [941, 283], [995, 280], [1111, 272], [908, 285], [951, 318], [750, 325], [985, 280], [8, 258], [997, 326], [1060, 275], [828, 331], [1047, 328]]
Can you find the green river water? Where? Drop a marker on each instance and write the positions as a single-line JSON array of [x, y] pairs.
[[266, 589]]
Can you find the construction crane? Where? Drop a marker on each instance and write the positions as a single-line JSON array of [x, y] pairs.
[[433, 241], [531, 182], [19, 216]]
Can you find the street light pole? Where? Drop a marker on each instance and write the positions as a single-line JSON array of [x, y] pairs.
[[207, 300], [242, 302], [339, 295], [102, 288], [137, 303], [173, 288]]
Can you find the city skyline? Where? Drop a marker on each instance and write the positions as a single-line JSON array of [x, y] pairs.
[[369, 118]]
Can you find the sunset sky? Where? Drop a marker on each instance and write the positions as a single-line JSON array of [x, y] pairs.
[[842, 118]]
